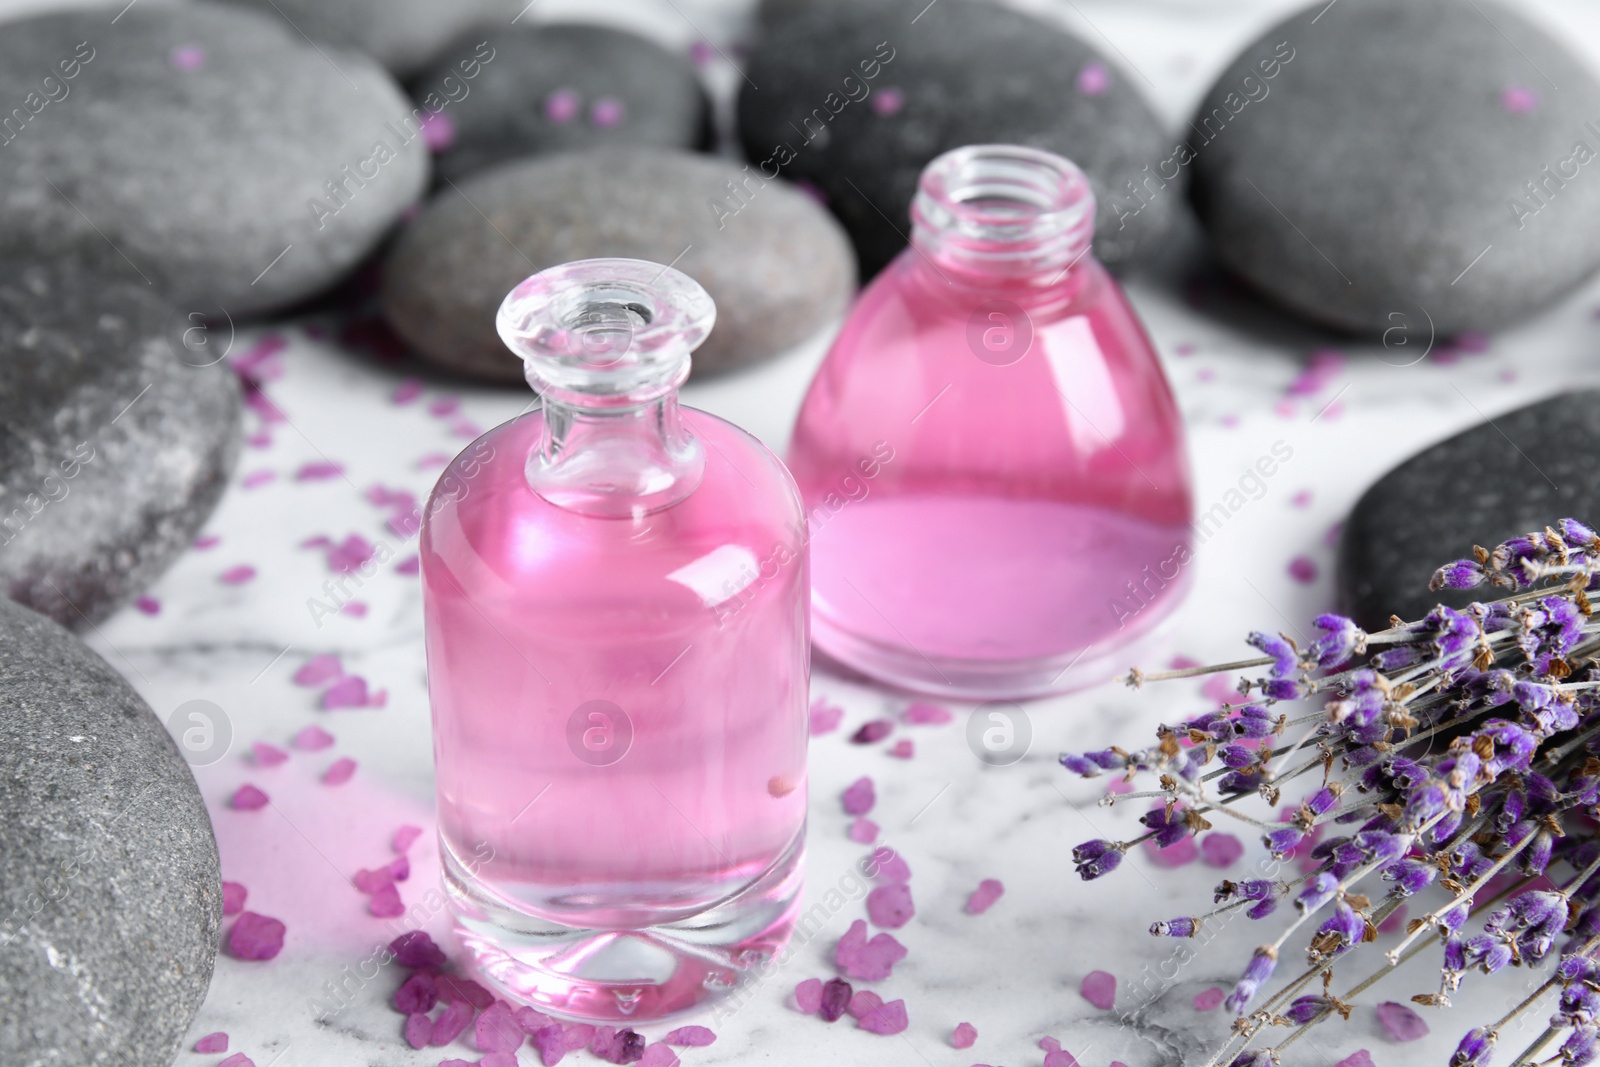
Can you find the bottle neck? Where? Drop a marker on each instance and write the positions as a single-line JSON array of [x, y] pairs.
[[1002, 214], [615, 461]]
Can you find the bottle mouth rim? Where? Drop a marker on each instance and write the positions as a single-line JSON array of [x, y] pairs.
[[994, 197], [606, 327]]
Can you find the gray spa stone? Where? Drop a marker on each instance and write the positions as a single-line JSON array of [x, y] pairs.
[[778, 267], [1526, 470], [113, 449], [110, 892], [563, 86], [1410, 158], [202, 149], [856, 99]]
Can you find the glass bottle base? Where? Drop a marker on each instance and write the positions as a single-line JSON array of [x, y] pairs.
[[993, 679], [632, 975]]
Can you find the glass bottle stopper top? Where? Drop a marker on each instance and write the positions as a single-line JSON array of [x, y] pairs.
[[990, 203], [606, 332]]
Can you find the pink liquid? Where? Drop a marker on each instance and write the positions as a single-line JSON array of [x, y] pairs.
[[620, 724], [1037, 467]]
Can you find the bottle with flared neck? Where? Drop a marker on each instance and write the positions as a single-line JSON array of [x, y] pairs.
[[615, 598], [994, 471]]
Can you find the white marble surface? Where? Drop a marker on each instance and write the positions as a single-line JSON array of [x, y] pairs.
[[1014, 972]]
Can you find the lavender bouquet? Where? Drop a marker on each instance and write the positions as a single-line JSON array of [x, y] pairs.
[[1457, 751]]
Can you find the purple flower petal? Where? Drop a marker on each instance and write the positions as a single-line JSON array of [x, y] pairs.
[[982, 899], [248, 798], [255, 937], [1100, 989], [1400, 1022]]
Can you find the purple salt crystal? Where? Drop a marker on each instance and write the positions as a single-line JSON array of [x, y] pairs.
[[890, 906], [876, 730], [982, 899], [700, 1036], [233, 897], [862, 1002], [889, 866], [887, 1019], [415, 948], [1100, 989], [836, 993], [217, 1042], [448, 1027], [255, 937], [416, 994], [807, 995], [419, 1030], [1400, 1022], [550, 1042], [497, 1029], [860, 796]]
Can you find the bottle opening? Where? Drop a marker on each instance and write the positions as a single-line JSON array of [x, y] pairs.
[[1003, 205]]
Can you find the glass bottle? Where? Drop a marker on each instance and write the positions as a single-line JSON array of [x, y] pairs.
[[615, 593], [993, 467]]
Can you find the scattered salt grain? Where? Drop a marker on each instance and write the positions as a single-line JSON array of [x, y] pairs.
[[863, 1002], [659, 1055], [836, 993], [888, 1019], [238, 1059], [248, 798], [1100, 989], [700, 1036], [982, 899], [825, 717], [808, 995], [1359, 1058], [217, 1042], [255, 937], [876, 730], [926, 715], [415, 948], [237, 575], [318, 472], [497, 1029], [448, 1027], [965, 1036], [464, 991], [319, 669], [902, 749], [860, 797], [148, 604], [1060, 1058], [863, 831], [1218, 849], [385, 903], [419, 1030], [312, 739], [1400, 1022], [340, 771], [405, 837], [872, 960], [1208, 999], [416, 994], [233, 895], [889, 865], [890, 906], [266, 755]]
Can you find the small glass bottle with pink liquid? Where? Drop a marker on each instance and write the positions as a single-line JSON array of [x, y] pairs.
[[994, 470], [615, 595]]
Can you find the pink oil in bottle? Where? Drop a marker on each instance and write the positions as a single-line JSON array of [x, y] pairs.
[[1027, 511], [616, 610]]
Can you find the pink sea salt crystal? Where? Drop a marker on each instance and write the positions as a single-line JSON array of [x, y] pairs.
[[1222, 688], [419, 1030], [370, 881], [863, 1001], [607, 112], [217, 1042], [448, 1027], [1100, 989], [407, 391], [808, 995], [497, 1029], [531, 1021], [148, 604], [266, 755], [1119, 785], [405, 837], [206, 541], [1519, 100], [888, 1019], [312, 739], [187, 57], [1303, 570], [255, 937], [890, 906], [1301, 499], [318, 471], [618, 1046], [319, 669], [416, 994], [410, 565], [1325, 366], [233, 895], [860, 796], [550, 1044], [1049, 1044], [836, 996], [886, 103], [965, 1036], [1093, 79], [1208, 999], [873, 731], [238, 1059], [1359, 1058], [659, 1055], [863, 831], [872, 960], [1060, 1058], [1395, 921], [1180, 853], [348, 692], [561, 106], [1400, 1022], [700, 1036], [339, 772], [498, 1059], [385, 903], [237, 575], [248, 798], [438, 130], [464, 990], [415, 948], [825, 717], [1218, 849], [902, 749], [921, 714], [982, 899], [889, 865], [255, 478]]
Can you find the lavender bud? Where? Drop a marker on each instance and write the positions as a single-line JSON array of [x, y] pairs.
[[1317, 893], [1285, 659], [1305, 1009], [1279, 842], [1175, 928], [1256, 972], [1576, 534], [1096, 858], [1580, 1049], [1285, 688], [1079, 765], [1462, 574], [1255, 1057], [1475, 1049]]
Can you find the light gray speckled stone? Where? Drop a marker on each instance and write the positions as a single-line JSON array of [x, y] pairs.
[[1388, 155], [190, 145], [110, 892], [113, 450], [779, 268], [560, 87]]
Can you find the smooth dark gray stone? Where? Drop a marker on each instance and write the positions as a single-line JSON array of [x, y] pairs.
[[110, 892], [626, 91], [967, 72], [199, 147], [1388, 156], [403, 35], [779, 268], [113, 450], [1521, 471]]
